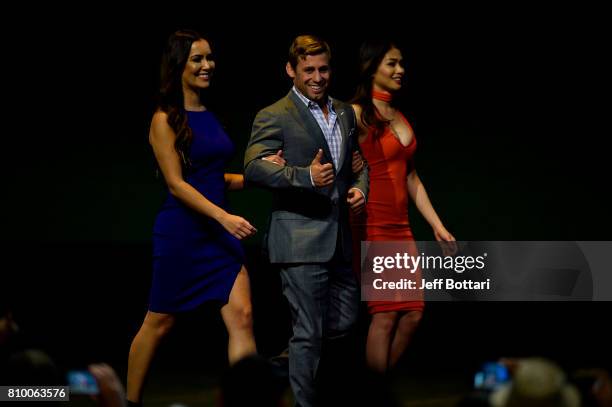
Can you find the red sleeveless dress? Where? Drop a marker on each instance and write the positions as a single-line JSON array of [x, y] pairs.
[[386, 214]]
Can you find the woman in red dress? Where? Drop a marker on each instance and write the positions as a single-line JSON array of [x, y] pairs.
[[388, 145]]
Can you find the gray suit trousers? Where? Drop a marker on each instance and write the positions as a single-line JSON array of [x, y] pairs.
[[324, 301]]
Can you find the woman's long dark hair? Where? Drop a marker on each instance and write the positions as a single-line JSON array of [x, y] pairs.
[[371, 54], [170, 97]]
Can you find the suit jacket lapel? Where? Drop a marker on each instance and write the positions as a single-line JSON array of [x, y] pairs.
[[303, 116], [344, 128]]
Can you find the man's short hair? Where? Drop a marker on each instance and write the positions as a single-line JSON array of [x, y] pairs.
[[304, 45]]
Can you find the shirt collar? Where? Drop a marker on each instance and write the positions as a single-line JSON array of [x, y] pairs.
[[309, 103]]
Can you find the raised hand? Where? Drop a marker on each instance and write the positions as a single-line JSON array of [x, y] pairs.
[[112, 393], [322, 174]]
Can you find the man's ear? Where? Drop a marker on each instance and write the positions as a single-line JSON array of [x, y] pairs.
[[290, 70]]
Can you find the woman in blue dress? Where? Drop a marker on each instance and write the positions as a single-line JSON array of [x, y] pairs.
[[197, 254]]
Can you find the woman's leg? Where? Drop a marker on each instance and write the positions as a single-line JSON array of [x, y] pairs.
[[406, 326], [237, 315], [153, 330], [378, 344]]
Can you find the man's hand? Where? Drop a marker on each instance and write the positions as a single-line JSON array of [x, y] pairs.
[[276, 158], [356, 200], [322, 174]]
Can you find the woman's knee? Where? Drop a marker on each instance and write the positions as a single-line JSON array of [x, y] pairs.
[[411, 319], [241, 316], [384, 321]]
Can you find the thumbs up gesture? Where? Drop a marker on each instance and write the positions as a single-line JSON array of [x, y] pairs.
[[322, 174]]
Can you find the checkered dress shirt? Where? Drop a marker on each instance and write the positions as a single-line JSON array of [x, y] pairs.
[[329, 127]]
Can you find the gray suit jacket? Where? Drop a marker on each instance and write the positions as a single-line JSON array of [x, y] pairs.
[[305, 220]]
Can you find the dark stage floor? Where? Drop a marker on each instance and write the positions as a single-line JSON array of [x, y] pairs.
[[90, 310]]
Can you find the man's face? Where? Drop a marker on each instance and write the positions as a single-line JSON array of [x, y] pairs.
[[311, 76]]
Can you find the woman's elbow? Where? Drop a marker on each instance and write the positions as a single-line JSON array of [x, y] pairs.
[[175, 187]]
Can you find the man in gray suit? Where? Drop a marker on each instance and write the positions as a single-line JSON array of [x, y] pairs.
[[309, 235]]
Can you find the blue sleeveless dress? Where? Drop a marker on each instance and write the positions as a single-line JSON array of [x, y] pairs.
[[194, 258]]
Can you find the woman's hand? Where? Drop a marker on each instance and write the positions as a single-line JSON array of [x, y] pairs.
[[357, 164], [276, 158], [443, 235], [237, 226], [449, 247]]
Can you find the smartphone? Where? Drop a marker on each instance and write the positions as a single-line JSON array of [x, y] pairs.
[[491, 376], [82, 382]]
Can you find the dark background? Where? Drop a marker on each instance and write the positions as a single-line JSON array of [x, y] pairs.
[[511, 147]]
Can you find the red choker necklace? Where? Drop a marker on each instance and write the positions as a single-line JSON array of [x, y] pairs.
[[384, 96]]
